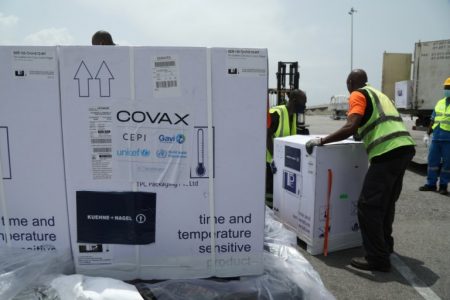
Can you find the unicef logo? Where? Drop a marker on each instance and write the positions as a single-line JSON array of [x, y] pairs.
[[145, 152], [180, 138], [161, 153], [133, 152]]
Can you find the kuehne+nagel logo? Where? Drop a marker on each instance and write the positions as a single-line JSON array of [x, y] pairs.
[[169, 139], [133, 152]]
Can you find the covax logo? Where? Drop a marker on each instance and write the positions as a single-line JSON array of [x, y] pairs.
[[153, 118]]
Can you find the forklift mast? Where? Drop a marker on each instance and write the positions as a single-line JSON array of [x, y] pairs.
[[284, 87], [294, 77]]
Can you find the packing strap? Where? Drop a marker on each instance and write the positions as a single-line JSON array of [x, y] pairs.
[[327, 217], [212, 207], [3, 207]]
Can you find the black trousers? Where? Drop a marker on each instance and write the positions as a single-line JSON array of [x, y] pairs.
[[269, 179], [376, 206]]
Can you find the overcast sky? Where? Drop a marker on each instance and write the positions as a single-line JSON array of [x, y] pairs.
[[316, 33]]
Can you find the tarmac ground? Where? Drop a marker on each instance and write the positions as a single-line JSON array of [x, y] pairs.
[[421, 259]]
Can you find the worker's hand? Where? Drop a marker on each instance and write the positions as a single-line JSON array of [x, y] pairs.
[[312, 143], [357, 137], [429, 130], [273, 167]]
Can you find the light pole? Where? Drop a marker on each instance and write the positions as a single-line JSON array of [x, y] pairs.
[[351, 12]]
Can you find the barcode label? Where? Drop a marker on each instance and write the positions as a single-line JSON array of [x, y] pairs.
[[260, 71], [163, 64], [166, 84], [101, 141], [32, 72], [166, 77], [104, 149]]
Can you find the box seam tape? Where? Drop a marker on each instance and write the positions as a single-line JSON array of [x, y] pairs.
[[3, 207], [130, 173], [210, 159]]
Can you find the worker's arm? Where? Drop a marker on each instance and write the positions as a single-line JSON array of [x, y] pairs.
[[430, 127], [271, 132], [349, 129], [357, 108]]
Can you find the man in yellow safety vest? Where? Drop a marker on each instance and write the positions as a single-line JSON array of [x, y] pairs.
[[283, 122], [390, 148], [440, 145]]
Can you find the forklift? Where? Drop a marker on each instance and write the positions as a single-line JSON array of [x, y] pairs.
[[283, 90]]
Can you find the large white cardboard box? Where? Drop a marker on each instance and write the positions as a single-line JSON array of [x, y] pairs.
[[301, 190], [164, 152], [33, 209]]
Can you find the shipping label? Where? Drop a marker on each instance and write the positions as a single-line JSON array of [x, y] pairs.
[[166, 76], [33, 63], [246, 63], [100, 122]]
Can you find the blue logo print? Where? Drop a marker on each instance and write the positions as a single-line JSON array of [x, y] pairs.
[[161, 153], [145, 152], [290, 181], [133, 152], [179, 138]]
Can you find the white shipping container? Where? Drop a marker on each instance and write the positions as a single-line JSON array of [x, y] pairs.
[[165, 173], [33, 207], [403, 94], [301, 191], [431, 68]]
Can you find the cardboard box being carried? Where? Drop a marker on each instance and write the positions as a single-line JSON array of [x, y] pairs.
[[301, 191], [164, 152]]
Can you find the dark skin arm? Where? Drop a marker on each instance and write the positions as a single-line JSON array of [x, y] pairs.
[[349, 129], [271, 131], [430, 127]]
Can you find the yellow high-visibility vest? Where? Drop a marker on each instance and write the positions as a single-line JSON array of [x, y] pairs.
[[442, 115], [283, 128], [384, 131]]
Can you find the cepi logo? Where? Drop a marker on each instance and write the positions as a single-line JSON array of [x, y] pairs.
[[179, 138], [133, 152]]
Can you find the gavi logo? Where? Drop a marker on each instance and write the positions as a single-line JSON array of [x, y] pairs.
[[179, 138]]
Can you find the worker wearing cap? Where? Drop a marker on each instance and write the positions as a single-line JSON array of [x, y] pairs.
[[390, 148], [283, 122], [440, 145], [102, 38]]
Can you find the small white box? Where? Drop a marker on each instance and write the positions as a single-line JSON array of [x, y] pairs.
[[403, 94], [34, 212], [301, 190]]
